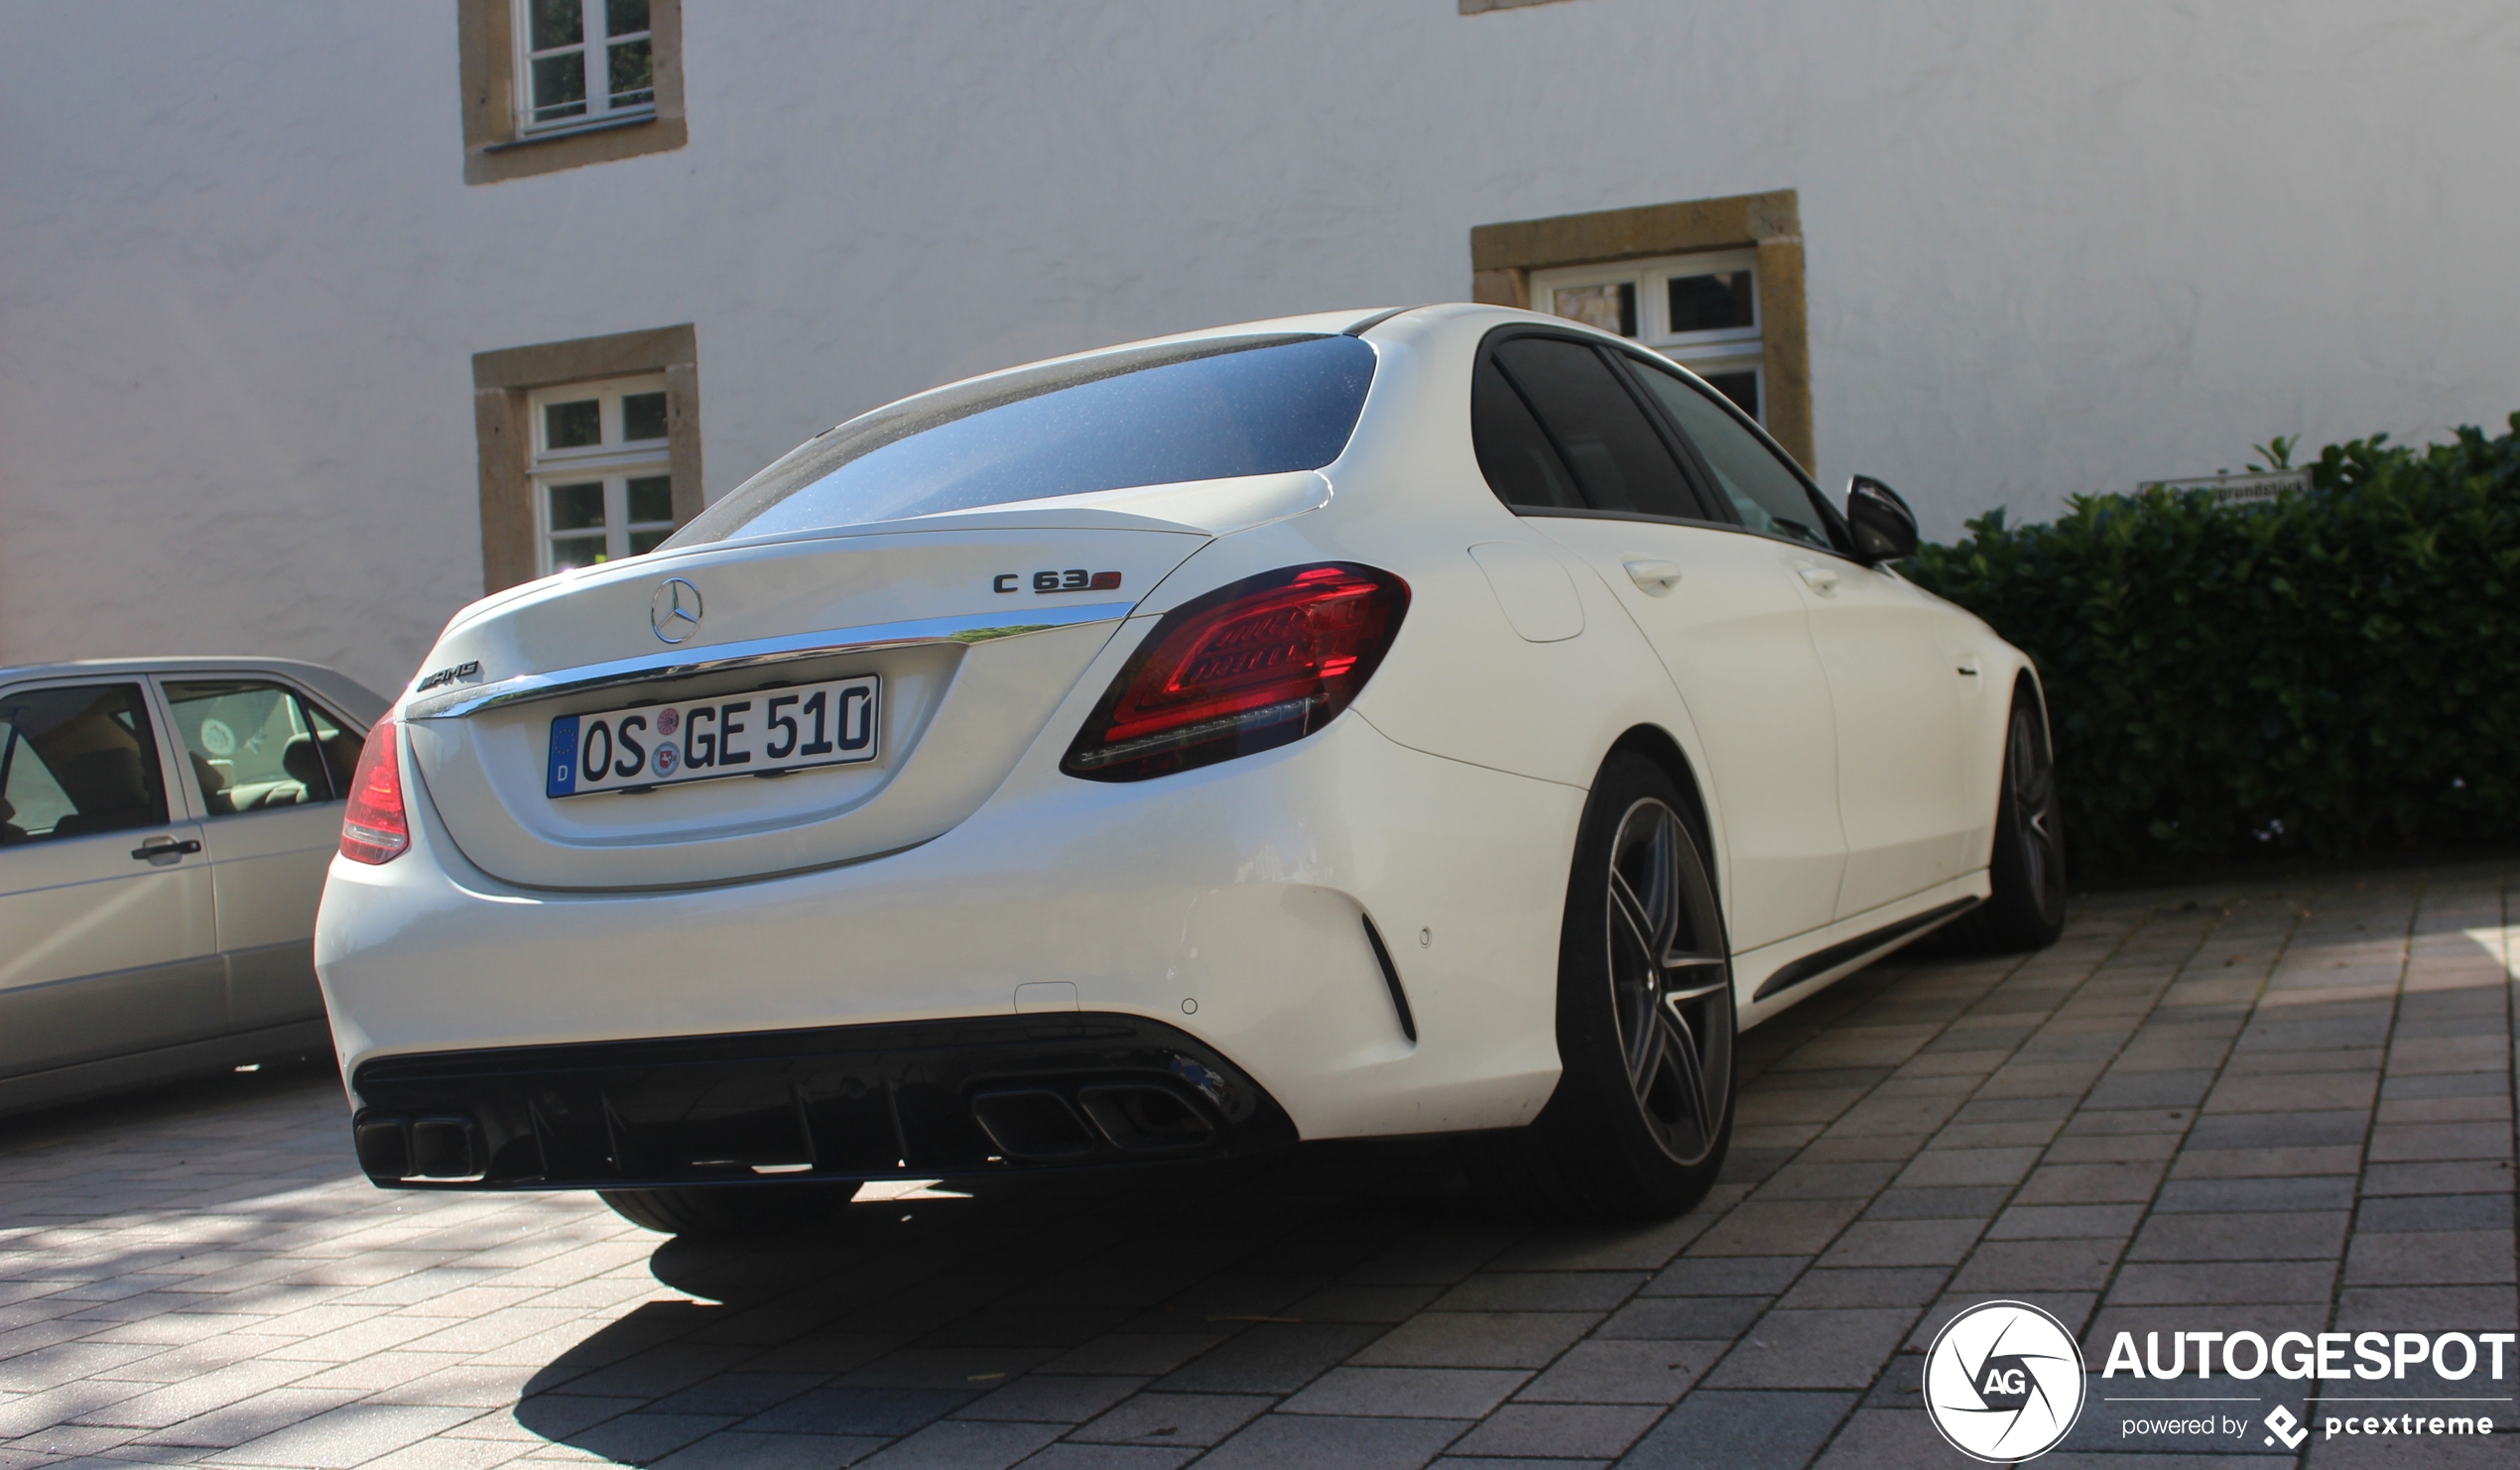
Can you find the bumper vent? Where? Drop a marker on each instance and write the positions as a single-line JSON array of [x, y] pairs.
[[926, 1098]]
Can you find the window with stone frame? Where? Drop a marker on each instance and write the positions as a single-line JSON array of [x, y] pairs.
[[589, 449], [552, 84], [1716, 283], [584, 60], [1700, 311], [603, 472]]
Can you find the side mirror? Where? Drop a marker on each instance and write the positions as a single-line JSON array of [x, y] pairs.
[[1884, 527]]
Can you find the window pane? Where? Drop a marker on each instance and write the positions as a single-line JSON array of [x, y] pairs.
[[577, 507], [250, 744], [1769, 496], [75, 761], [1601, 430], [644, 542], [1741, 388], [633, 74], [651, 498], [340, 748], [1520, 465], [557, 23], [642, 416], [1609, 307], [1712, 303], [560, 86], [625, 17], [576, 550], [1196, 410], [572, 425]]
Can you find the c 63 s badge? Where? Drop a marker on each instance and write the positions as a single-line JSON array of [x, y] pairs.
[[1075, 579]]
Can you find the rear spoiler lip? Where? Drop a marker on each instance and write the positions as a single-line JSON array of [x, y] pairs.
[[971, 628]]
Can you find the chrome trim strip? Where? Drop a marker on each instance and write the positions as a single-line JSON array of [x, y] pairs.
[[971, 628]]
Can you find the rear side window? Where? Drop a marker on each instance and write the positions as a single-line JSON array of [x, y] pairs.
[[1766, 493], [77, 761], [1197, 411], [1520, 464], [1600, 433]]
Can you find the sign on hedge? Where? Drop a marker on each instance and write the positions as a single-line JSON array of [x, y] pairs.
[[2231, 489]]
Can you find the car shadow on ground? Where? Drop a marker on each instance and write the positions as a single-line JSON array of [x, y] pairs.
[[916, 1307], [1007, 1301]]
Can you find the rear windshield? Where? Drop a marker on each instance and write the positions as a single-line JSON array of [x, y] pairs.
[[1191, 410]]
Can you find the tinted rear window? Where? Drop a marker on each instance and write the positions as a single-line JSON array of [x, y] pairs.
[[1195, 410]]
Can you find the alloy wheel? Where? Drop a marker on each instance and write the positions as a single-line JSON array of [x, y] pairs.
[[2032, 777], [1670, 982]]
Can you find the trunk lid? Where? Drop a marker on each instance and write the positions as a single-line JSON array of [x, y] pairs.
[[975, 625]]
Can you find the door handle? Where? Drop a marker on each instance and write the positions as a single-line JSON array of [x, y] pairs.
[[165, 847], [1654, 577], [1968, 666], [1819, 579]]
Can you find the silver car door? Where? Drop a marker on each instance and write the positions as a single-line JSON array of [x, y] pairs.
[[1897, 690], [107, 940], [271, 767], [1576, 452]]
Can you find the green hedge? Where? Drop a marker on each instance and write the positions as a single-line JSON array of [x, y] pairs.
[[2335, 674]]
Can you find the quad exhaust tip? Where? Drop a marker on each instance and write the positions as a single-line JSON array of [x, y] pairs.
[[1037, 1123], [430, 1147]]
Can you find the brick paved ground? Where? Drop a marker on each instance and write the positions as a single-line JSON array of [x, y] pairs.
[[2265, 1105]]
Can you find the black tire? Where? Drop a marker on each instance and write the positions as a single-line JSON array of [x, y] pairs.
[[731, 1211], [2026, 910], [1643, 1112]]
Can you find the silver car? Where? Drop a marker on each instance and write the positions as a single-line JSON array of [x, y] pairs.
[[164, 825]]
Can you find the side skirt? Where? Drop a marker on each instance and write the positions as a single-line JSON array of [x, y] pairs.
[[1863, 946]]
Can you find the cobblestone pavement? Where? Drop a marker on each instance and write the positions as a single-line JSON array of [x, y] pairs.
[[2268, 1105]]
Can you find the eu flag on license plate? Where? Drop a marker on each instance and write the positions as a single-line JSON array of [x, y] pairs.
[[560, 769]]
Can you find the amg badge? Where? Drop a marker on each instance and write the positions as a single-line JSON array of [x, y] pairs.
[[468, 669]]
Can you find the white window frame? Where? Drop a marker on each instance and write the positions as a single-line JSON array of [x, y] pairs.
[[1737, 349], [596, 46], [614, 461]]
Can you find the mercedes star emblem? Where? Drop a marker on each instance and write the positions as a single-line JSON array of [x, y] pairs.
[[674, 611]]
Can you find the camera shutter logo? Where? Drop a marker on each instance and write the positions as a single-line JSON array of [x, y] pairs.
[[674, 611], [2004, 1382]]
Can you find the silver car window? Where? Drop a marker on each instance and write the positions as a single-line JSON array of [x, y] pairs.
[[78, 760], [255, 744]]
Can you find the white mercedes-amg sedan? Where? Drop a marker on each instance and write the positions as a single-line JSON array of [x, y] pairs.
[[1448, 720]]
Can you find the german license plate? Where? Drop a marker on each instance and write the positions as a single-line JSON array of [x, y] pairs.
[[754, 733]]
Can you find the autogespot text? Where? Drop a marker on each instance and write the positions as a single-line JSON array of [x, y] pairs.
[[2452, 1358]]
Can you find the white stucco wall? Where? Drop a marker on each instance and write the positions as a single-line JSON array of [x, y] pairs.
[[2051, 249]]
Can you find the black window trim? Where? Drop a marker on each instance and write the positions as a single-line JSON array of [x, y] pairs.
[[1693, 475], [1840, 543], [1700, 480]]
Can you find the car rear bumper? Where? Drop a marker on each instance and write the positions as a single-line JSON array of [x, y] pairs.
[[1227, 903], [956, 1098]]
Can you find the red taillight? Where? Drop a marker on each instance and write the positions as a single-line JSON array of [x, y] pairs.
[[1242, 670], [373, 828]]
